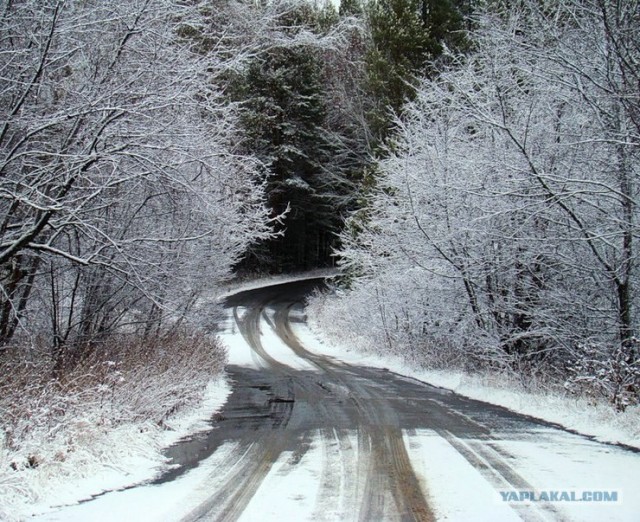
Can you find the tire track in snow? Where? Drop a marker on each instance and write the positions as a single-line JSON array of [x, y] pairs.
[[338, 472], [241, 483], [384, 474], [228, 503], [492, 465], [367, 490], [384, 465], [386, 486]]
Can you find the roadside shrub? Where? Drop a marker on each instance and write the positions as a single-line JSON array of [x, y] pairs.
[[613, 375], [126, 387]]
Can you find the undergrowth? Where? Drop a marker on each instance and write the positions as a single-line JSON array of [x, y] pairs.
[[63, 422]]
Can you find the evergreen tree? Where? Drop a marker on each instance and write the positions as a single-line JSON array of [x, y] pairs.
[[350, 8], [284, 119], [407, 40]]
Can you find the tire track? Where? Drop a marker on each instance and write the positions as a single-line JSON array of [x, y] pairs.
[[385, 463], [338, 453], [380, 483], [241, 484], [500, 474], [228, 503]]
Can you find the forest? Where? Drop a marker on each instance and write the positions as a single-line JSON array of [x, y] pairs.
[[501, 232], [471, 167]]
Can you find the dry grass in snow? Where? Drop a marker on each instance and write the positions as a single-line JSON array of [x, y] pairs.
[[102, 419]]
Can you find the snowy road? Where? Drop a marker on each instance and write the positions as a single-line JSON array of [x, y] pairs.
[[305, 436]]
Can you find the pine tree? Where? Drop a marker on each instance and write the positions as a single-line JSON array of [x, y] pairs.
[[284, 119], [350, 8], [407, 39]]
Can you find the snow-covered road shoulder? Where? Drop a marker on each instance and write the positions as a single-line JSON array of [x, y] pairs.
[[109, 459]]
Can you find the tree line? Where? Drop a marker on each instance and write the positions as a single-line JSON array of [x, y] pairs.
[[319, 105], [150, 148], [472, 166], [503, 230], [124, 196]]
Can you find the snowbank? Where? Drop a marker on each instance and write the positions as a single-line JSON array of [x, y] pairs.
[[63, 442]]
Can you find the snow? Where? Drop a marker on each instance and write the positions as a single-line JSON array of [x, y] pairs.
[[169, 501], [455, 490], [197, 419], [239, 353], [294, 483], [596, 420], [132, 455], [321, 482], [279, 350], [557, 462], [235, 287], [552, 461]]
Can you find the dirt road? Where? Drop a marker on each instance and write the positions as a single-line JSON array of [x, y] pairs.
[[363, 422]]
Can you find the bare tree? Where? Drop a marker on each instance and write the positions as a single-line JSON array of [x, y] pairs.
[[513, 188], [121, 191]]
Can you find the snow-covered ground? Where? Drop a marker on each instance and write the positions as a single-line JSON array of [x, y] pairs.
[[295, 485], [237, 287], [554, 462], [597, 420], [129, 457]]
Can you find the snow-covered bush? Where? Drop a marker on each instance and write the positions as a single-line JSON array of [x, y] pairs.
[[65, 427], [124, 196], [402, 314], [502, 230], [607, 374]]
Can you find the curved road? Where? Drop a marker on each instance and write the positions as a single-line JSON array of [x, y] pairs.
[[365, 422]]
